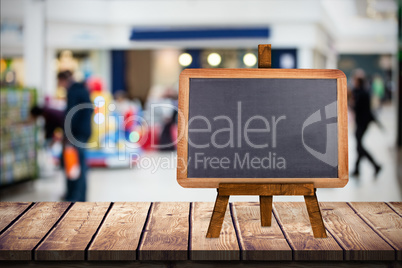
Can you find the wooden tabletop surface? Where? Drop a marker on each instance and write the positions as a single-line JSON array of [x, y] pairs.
[[176, 231]]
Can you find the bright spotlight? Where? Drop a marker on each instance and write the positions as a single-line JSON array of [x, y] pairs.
[[99, 118], [250, 59], [134, 136], [185, 59], [99, 101], [287, 61], [214, 59]]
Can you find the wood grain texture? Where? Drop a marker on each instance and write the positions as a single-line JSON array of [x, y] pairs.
[[70, 237], [201, 264], [17, 242], [358, 240], [9, 211], [259, 243], [182, 130], [266, 210], [343, 161], [266, 189], [166, 233], [225, 247], [182, 146], [264, 56], [120, 233], [383, 220], [263, 73], [284, 264], [218, 215], [396, 206], [314, 213], [366, 230], [294, 222]]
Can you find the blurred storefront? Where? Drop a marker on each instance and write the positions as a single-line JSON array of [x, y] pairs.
[[97, 31], [135, 50], [42, 29], [142, 53]]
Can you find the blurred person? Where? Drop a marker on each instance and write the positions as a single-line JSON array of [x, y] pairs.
[[101, 99], [389, 87], [169, 131], [80, 127], [123, 104], [125, 109], [363, 117], [378, 91], [54, 119]]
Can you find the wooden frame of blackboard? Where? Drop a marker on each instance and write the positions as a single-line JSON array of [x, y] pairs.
[[182, 145]]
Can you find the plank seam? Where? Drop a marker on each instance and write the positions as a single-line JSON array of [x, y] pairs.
[[50, 230], [336, 238], [371, 225], [280, 224], [339, 242], [97, 231], [237, 230], [17, 218], [392, 207], [190, 227], [142, 236]]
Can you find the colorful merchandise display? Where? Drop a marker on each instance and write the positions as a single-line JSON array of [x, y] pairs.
[[115, 131], [18, 157], [114, 134]]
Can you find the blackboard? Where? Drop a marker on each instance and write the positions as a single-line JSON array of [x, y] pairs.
[[262, 125]]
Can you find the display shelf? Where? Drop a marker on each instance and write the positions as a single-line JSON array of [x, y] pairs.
[[18, 157]]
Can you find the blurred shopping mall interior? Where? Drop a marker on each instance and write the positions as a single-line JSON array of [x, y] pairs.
[[131, 53]]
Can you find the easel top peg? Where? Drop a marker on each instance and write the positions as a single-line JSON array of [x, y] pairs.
[[264, 56]]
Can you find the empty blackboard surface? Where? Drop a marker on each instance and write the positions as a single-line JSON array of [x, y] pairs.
[[262, 126], [277, 109]]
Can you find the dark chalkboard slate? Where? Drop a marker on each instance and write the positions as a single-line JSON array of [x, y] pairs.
[[262, 125]]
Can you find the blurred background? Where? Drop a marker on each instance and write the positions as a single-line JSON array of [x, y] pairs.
[[130, 54]]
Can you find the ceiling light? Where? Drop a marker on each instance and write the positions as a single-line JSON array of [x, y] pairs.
[[214, 59], [250, 59], [185, 59]]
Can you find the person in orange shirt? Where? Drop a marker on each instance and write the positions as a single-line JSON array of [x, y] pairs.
[[77, 129]]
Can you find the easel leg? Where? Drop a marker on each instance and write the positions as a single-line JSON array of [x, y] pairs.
[[265, 210], [316, 221], [215, 225]]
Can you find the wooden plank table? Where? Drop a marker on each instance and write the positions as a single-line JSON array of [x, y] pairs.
[[173, 234]]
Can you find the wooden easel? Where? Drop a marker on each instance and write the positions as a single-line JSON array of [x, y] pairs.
[[266, 190]]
